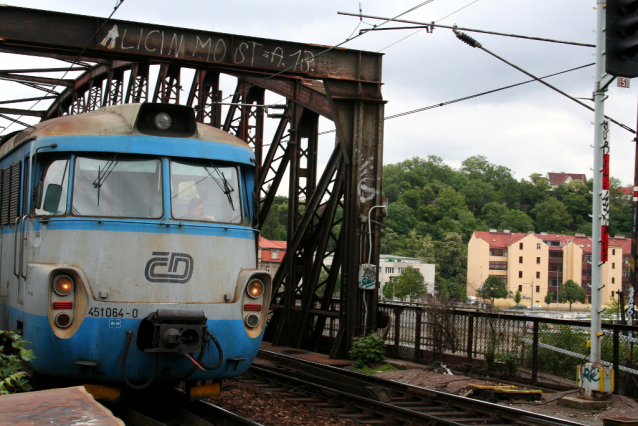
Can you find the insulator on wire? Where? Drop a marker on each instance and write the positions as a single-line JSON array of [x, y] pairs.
[[277, 106], [466, 38], [276, 115]]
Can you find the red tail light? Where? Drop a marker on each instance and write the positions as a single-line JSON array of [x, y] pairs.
[[62, 305], [252, 307]]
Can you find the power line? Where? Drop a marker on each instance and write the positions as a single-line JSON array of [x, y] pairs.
[[465, 98], [431, 25], [473, 43], [416, 32], [76, 61], [331, 48]]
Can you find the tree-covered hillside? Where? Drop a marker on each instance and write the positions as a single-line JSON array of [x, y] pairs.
[[433, 210]]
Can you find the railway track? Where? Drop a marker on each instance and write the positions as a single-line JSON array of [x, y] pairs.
[[169, 407], [371, 400]]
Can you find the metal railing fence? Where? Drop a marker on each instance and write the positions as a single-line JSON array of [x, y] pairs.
[[539, 348]]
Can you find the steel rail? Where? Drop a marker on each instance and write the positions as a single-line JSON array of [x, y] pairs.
[[170, 407], [351, 381]]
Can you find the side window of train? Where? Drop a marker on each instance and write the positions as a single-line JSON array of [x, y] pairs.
[[51, 192], [10, 195]]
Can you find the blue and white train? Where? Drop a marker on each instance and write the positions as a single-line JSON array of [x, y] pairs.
[[128, 252]]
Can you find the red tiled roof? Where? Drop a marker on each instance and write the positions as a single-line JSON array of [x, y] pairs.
[[502, 240], [560, 178], [268, 244], [627, 191]]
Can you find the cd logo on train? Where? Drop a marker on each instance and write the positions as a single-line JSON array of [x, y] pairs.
[[165, 267]]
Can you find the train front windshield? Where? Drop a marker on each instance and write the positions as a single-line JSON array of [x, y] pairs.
[[115, 186]]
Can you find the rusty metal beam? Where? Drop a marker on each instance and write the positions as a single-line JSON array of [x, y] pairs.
[[40, 80], [27, 112], [42, 31]]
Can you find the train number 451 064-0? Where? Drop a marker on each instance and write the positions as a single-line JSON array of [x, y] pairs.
[[111, 313]]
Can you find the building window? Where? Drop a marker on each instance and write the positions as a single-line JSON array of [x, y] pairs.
[[556, 267], [587, 271], [613, 280], [538, 274], [520, 246], [613, 252], [401, 270], [274, 254], [502, 277], [267, 268], [498, 252], [555, 281], [587, 258], [538, 289], [556, 254], [520, 274], [613, 266], [538, 246], [389, 270], [613, 293], [498, 266], [626, 272], [520, 259], [520, 288], [538, 260]]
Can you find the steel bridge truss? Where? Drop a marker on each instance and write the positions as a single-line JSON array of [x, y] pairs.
[[127, 62]]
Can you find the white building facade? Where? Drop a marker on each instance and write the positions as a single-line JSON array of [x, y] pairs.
[[392, 266]]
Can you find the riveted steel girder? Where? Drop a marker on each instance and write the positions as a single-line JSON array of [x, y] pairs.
[[53, 33], [327, 211]]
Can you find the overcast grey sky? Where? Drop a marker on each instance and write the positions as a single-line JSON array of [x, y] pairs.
[[528, 129]]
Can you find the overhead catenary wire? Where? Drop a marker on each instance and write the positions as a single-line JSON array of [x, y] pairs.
[[421, 29], [465, 98], [473, 43], [329, 49], [451, 27], [75, 62]]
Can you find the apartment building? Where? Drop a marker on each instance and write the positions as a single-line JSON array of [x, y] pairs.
[[392, 266], [535, 264]]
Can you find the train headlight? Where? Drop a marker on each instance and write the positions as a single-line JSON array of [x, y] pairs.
[[255, 288], [63, 320], [163, 121], [251, 320], [63, 285]]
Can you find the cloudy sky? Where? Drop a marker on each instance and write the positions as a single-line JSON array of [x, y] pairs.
[[529, 129]]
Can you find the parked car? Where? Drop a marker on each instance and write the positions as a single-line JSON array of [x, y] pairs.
[[519, 306], [536, 307]]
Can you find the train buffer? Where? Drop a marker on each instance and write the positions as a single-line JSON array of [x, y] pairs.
[[502, 392], [64, 406]]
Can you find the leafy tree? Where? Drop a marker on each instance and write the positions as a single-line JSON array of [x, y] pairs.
[[410, 283], [451, 266], [389, 289], [517, 297], [493, 288], [551, 216], [400, 218], [492, 214], [571, 293], [418, 246], [517, 221], [549, 298]]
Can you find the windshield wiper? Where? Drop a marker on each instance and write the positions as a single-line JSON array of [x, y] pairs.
[[103, 174], [223, 184]]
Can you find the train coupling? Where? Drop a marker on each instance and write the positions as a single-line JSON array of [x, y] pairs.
[[172, 331]]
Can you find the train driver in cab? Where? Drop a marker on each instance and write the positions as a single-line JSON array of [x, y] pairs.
[[196, 210]]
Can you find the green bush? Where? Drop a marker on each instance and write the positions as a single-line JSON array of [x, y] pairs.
[[511, 361], [367, 350], [12, 353]]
